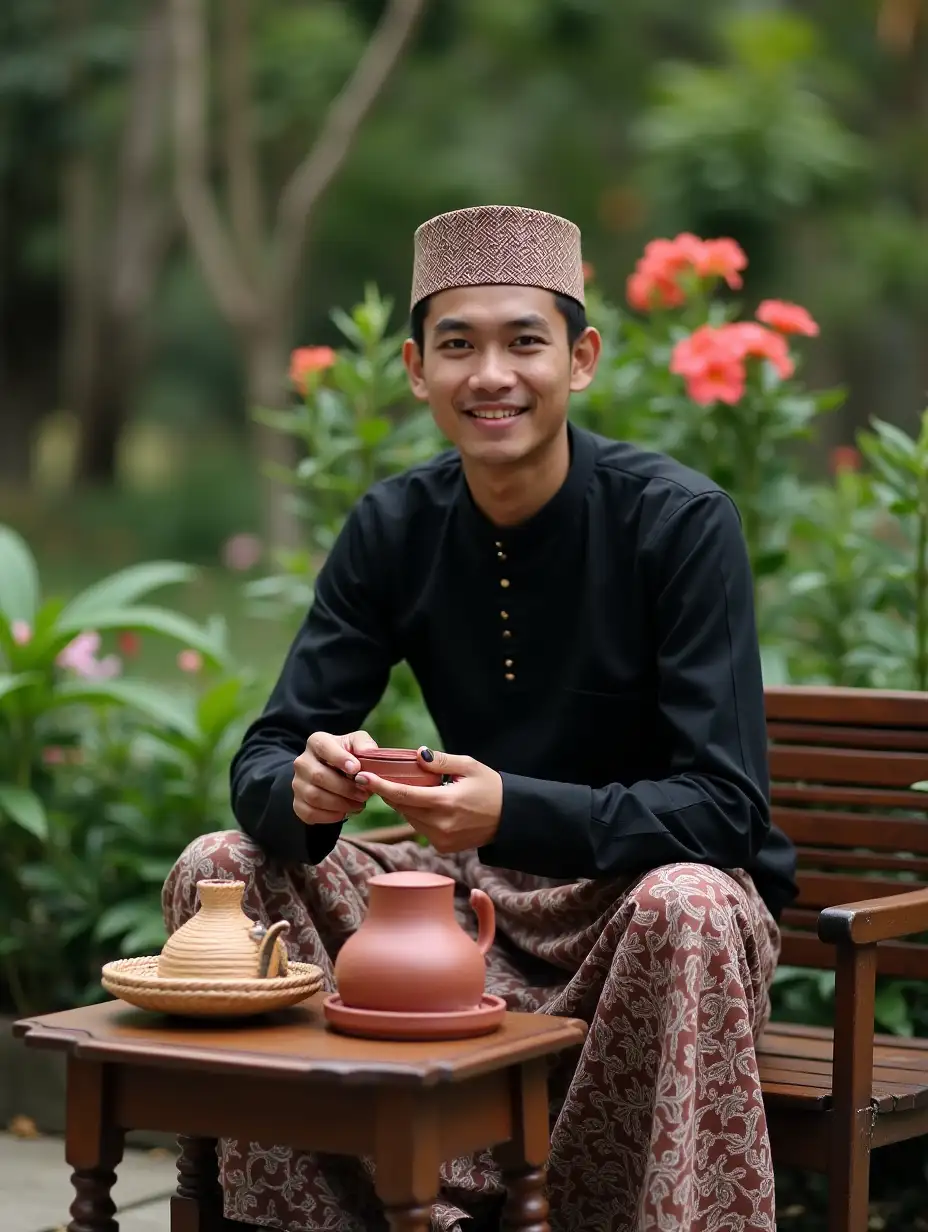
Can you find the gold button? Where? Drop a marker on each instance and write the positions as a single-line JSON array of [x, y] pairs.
[[509, 676], [504, 582], [498, 544], [509, 662], [506, 633], [504, 615], [501, 555]]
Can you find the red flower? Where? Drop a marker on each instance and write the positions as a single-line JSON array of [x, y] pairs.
[[844, 458], [787, 318], [757, 342], [711, 361], [129, 644], [721, 258], [305, 360], [659, 278], [589, 273]]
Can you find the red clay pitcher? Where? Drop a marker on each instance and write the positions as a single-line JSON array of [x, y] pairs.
[[410, 955]]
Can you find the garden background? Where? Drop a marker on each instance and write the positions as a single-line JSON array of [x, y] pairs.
[[190, 191]]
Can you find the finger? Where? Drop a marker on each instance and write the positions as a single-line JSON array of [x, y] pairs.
[[312, 774], [331, 750], [361, 742], [404, 797], [318, 799], [313, 817], [438, 762]]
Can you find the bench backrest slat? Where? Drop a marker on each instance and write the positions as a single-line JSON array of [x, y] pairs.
[[842, 765]]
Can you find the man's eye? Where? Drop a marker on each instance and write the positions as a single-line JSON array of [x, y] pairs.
[[454, 344], [527, 340]]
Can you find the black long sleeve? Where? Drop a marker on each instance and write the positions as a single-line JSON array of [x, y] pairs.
[[712, 807], [334, 674]]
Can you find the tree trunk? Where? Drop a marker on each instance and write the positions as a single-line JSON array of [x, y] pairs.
[[266, 369], [129, 260], [18, 416]]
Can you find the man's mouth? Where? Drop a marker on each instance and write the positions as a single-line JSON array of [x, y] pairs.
[[496, 412]]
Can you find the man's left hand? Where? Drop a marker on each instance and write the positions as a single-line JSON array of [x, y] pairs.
[[460, 816]]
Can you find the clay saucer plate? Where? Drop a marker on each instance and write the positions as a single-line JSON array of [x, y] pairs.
[[136, 981], [482, 1019]]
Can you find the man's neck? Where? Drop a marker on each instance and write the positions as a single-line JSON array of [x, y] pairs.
[[510, 495]]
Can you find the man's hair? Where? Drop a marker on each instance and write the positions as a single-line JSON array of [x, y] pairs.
[[570, 309]]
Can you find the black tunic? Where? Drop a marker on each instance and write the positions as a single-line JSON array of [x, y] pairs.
[[602, 656]]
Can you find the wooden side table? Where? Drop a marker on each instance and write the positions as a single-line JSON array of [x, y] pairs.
[[289, 1079]]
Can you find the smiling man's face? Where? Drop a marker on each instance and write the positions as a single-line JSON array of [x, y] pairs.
[[497, 369]]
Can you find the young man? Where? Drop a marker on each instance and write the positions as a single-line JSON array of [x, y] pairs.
[[578, 613]]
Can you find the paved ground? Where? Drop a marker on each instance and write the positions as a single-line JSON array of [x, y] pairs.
[[35, 1187]]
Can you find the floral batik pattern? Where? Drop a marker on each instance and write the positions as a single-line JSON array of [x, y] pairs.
[[657, 1123]]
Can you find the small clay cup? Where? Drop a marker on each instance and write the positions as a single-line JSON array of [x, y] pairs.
[[398, 766]]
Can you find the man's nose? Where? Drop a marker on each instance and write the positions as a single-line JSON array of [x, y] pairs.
[[494, 371]]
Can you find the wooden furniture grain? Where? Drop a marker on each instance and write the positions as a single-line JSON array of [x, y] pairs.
[[290, 1080], [842, 765]]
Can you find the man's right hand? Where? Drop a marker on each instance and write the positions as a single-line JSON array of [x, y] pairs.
[[324, 790]]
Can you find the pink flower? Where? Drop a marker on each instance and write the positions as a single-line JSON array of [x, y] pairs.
[[241, 552], [305, 360], [21, 632], [757, 342], [712, 364], [787, 318], [721, 258], [80, 657], [660, 276], [190, 661], [53, 755]]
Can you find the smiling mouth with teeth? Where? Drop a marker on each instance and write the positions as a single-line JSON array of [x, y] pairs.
[[509, 413]]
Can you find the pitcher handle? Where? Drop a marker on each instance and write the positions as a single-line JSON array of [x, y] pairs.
[[267, 949], [486, 919]]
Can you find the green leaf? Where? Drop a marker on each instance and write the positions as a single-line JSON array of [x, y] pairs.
[[25, 809], [12, 684], [19, 578], [121, 589], [121, 917], [219, 706], [149, 620], [165, 708]]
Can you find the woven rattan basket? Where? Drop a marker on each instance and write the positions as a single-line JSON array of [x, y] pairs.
[[136, 981]]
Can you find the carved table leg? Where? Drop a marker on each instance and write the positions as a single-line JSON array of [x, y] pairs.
[[197, 1205], [523, 1158], [526, 1208], [93, 1147], [93, 1210]]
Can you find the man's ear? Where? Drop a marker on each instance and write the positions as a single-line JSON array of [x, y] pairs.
[[412, 359], [584, 359]]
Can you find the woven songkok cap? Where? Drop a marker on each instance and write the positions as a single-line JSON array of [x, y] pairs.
[[490, 244]]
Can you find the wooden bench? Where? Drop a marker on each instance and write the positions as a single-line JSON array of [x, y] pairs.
[[842, 764]]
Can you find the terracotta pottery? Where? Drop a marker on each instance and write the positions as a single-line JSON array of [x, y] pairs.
[[220, 942], [410, 956], [398, 766], [373, 1024]]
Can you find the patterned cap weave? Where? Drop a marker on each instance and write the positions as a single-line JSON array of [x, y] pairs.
[[506, 244]]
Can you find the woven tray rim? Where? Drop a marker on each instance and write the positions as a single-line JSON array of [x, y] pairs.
[[141, 974]]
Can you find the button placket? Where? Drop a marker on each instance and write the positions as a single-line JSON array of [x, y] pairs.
[[505, 584]]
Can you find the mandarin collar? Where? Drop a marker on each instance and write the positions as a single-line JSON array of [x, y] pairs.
[[560, 512]]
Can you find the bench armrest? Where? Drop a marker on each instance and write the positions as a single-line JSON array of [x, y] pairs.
[[875, 919]]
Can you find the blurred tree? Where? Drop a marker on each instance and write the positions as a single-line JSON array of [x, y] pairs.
[[117, 237], [254, 269]]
